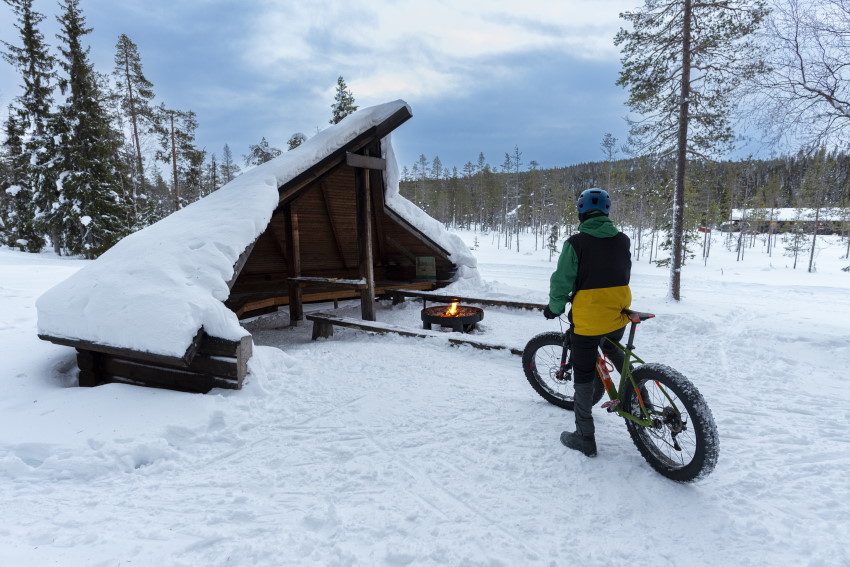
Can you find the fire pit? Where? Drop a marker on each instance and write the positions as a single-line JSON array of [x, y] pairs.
[[460, 318]]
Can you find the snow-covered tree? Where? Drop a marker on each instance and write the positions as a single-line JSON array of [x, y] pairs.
[[28, 143], [86, 207], [295, 140], [261, 153], [343, 102]]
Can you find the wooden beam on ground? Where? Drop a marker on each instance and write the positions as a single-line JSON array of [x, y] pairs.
[[399, 293], [326, 322]]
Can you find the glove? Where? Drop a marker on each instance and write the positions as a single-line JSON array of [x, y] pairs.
[[548, 313]]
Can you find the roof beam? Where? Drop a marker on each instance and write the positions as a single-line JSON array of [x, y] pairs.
[[365, 162]]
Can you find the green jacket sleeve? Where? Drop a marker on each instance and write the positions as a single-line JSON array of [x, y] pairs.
[[563, 279]]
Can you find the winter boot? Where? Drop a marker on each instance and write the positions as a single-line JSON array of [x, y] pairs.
[[578, 442], [582, 439]]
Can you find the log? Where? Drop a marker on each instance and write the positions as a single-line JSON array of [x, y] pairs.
[[327, 319], [117, 369], [398, 296]]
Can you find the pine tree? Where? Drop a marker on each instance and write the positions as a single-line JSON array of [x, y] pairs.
[[176, 130], [136, 94], [87, 211], [229, 169], [17, 216], [295, 140], [343, 102], [28, 142], [682, 61], [261, 153], [552, 241]]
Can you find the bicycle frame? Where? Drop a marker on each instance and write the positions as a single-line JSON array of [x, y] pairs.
[[626, 379]]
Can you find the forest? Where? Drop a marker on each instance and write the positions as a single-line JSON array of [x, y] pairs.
[[533, 208], [89, 155]]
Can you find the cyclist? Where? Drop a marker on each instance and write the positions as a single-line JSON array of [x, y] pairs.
[[593, 273]]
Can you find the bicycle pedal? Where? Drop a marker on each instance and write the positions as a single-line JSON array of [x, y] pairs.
[[611, 406]]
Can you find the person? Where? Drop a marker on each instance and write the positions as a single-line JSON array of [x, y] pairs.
[[593, 273]]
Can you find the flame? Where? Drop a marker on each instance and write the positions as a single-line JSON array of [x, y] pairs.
[[452, 311]]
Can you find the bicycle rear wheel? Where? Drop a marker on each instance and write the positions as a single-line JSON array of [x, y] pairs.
[[682, 444], [541, 361]]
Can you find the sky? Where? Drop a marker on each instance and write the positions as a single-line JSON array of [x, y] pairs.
[[480, 76]]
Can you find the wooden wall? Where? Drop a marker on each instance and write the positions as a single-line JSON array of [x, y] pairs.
[[328, 241]]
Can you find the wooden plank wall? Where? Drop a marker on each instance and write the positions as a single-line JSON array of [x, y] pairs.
[[327, 220], [218, 364]]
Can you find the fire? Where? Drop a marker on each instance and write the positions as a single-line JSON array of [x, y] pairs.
[[452, 311]]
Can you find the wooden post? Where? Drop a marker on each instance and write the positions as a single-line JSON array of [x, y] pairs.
[[293, 250], [364, 240]]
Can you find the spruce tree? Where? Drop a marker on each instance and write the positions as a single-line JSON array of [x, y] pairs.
[[261, 153], [135, 93], [682, 62], [87, 209], [228, 168], [17, 216], [295, 140], [343, 102], [176, 130], [28, 144]]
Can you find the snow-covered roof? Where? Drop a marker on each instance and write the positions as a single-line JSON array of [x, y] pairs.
[[156, 288], [791, 214]]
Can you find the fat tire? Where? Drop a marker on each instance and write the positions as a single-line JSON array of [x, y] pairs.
[[703, 432], [548, 363]]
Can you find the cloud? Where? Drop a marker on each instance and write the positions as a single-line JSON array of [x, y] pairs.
[[424, 49]]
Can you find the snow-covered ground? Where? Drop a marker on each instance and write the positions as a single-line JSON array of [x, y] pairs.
[[381, 450]]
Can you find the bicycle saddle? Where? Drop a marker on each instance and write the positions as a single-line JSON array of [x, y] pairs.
[[637, 316]]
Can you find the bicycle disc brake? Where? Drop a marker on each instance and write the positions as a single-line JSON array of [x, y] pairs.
[[673, 420], [562, 375]]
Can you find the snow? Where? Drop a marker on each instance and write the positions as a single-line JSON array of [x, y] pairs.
[[156, 288], [364, 449], [791, 214]]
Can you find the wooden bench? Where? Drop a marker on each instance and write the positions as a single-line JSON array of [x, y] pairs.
[[323, 324], [398, 296]]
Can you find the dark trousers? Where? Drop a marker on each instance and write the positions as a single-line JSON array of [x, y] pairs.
[[584, 353], [584, 367]]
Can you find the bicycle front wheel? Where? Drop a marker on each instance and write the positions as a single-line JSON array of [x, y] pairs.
[[682, 444], [541, 361]]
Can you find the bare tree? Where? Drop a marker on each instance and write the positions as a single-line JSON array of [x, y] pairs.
[[807, 92]]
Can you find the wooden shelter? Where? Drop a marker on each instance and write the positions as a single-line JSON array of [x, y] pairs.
[[332, 236]]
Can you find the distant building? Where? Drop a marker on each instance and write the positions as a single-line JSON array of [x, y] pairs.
[[829, 220]]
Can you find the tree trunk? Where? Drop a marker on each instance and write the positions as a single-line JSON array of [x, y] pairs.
[[174, 166], [133, 119], [814, 239], [681, 158]]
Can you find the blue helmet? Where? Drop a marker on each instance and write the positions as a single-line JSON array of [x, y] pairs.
[[593, 199]]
